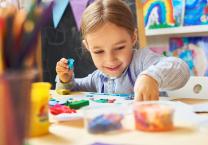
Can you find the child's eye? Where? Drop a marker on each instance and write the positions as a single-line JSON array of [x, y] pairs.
[[120, 48], [99, 52]]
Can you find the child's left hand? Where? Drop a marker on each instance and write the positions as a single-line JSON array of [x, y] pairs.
[[146, 88]]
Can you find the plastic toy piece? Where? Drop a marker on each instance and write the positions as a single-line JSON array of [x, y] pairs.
[[53, 103], [58, 109], [78, 104], [63, 102], [126, 96], [71, 63], [101, 101], [111, 100], [63, 91], [52, 99]]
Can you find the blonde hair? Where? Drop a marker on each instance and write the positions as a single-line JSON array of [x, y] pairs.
[[102, 11]]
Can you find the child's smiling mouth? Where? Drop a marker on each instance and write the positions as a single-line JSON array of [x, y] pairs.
[[114, 68]]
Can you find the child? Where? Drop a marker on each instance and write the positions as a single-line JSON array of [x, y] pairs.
[[110, 36]]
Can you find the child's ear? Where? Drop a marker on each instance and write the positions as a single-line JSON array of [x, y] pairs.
[[84, 42], [134, 37]]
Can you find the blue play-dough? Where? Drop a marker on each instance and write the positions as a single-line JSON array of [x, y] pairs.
[[125, 96], [101, 124], [52, 103], [71, 63], [62, 102]]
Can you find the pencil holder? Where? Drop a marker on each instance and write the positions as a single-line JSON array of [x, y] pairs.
[[15, 90]]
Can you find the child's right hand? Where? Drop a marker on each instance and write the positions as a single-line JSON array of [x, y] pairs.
[[63, 71]]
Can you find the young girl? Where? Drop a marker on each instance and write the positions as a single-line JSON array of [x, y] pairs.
[[110, 36]]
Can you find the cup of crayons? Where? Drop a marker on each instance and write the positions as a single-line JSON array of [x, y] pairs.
[[19, 37]]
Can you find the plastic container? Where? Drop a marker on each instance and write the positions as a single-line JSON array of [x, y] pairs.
[[153, 116], [104, 119], [39, 121]]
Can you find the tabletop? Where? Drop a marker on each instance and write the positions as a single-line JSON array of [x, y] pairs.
[[73, 133]]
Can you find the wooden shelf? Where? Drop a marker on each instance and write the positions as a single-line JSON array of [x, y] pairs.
[[193, 30]]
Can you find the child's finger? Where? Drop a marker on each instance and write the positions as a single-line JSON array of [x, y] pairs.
[[70, 71], [64, 60], [63, 73], [146, 97], [61, 69], [138, 96], [61, 64], [155, 96]]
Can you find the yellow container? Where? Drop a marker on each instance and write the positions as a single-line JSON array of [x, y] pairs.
[[39, 121]]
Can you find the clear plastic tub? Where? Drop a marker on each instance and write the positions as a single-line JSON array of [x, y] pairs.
[[104, 119], [153, 116]]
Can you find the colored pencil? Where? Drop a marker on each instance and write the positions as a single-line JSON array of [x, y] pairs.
[[20, 38], [1, 44], [31, 42]]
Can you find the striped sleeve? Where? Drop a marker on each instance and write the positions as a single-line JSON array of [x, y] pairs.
[[170, 72], [80, 84]]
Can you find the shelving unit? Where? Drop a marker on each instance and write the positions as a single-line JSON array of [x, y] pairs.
[[160, 37], [183, 30]]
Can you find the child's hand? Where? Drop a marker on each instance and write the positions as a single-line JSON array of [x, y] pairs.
[[146, 88], [63, 71]]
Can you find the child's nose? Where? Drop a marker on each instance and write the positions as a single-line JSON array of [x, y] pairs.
[[110, 57]]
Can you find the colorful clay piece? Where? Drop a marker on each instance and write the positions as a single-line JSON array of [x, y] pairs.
[[105, 123], [78, 104], [52, 103], [126, 96], [63, 102], [103, 100], [70, 99], [52, 99], [58, 109], [129, 97], [111, 100], [63, 91], [71, 63], [89, 95]]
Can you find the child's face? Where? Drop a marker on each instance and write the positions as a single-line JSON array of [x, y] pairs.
[[111, 48]]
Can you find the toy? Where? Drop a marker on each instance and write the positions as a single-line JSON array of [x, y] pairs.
[[58, 109], [63, 91], [71, 63], [78, 104]]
